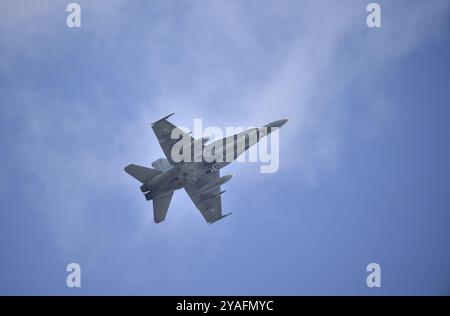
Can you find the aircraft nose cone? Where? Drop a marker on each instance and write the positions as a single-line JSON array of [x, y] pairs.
[[278, 123]]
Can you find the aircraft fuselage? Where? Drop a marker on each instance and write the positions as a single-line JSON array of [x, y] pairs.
[[229, 149]]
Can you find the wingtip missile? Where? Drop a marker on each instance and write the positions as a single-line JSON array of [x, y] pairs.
[[221, 217], [162, 119]]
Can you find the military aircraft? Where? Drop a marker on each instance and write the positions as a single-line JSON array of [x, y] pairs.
[[199, 174]]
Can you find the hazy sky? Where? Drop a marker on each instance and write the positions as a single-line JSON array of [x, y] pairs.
[[364, 162]]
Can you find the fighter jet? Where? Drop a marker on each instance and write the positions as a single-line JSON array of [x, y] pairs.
[[198, 173]]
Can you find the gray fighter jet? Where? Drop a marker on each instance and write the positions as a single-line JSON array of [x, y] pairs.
[[198, 172]]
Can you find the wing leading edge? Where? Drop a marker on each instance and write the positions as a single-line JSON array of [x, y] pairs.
[[164, 130]]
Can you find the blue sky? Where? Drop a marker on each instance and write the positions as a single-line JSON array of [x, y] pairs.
[[364, 171]]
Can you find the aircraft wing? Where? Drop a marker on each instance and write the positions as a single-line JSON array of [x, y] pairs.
[[209, 204], [163, 130], [160, 207]]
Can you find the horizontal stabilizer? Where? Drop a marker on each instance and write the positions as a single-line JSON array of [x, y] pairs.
[[160, 207], [223, 216], [142, 174]]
